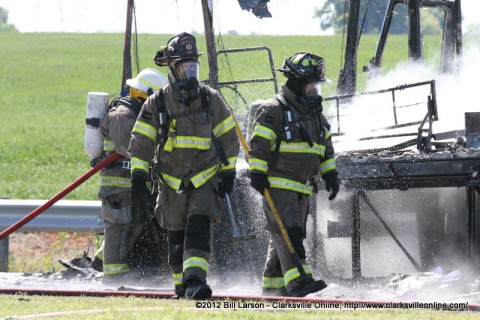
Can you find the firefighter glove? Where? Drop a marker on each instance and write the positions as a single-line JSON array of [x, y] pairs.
[[226, 184], [259, 182], [141, 196], [332, 183]]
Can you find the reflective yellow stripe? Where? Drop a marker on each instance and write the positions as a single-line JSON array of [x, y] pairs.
[[328, 134], [301, 147], [111, 269], [177, 278], [282, 183], [171, 181], [232, 162], [258, 164], [328, 165], [223, 126], [199, 179], [145, 129], [294, 273], [265, 132], [108, 145], [110, 181], [196, 262], [139, 164], [189, 142], [149, 84], [273, 282]]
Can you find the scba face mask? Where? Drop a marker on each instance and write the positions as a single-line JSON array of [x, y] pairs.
[[186, 73], [311, 94]]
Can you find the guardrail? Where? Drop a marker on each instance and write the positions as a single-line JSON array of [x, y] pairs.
[[63, 216]]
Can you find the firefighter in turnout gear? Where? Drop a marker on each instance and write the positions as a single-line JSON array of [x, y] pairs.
[[188, 132], [123, 225], [290, 145]]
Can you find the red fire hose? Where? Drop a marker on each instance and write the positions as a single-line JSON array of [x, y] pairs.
[[59, 195]]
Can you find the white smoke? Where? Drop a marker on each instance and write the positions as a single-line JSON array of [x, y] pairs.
[[456, 94]]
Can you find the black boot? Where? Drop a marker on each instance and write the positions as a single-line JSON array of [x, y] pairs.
[[197, 290], [306, 286]]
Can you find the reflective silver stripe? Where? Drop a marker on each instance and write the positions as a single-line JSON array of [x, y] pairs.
[[108, 145], [199, 179], [139, 164], [177, 278], [282, 183], [110, 181], [112, 269], [327, 165], [301, 147], [223, 127], [196, 262], [172, 182], [294, 273], [187, 142], [258, 164], [265, 132], [145, 129], [273, 282], [232, 163]]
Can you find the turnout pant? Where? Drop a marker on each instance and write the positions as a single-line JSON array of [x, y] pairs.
[[280, 268], [188, 217]]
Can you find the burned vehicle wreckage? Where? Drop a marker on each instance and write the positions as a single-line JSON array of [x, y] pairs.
[[409, 172]]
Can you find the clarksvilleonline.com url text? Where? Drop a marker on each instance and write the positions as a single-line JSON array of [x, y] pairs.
[[351, 305]]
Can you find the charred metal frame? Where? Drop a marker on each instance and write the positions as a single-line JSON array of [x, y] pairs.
[[423, 142], [451, 44]]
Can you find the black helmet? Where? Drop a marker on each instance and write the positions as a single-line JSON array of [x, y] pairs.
[[304, 65], [180, 47]]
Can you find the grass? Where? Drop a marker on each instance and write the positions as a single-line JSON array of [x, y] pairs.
[[45, 78], [12, 306]]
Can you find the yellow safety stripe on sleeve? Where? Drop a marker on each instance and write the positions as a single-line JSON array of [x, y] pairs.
[[273, 282], [110, 181], [301, 147], [108, 145], [232, 162], [177, 278], [258, 164], [171, 181], [294, 273], [223, 127], [199, 179], [112, 269], [139, 164], [265, 132], [196, 262], [190, 142], [328, 134], [145, 129], [328, 165], [287, 184]]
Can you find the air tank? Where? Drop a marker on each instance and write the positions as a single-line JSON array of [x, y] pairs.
[[97, 105]]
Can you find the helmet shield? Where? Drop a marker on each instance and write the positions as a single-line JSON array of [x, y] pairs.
[[311, 90], [187, 70]]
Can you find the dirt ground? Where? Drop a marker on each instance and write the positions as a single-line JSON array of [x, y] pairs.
[[43, 249]]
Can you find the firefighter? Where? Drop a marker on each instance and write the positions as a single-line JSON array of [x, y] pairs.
[[188, 132], [290, 145], [123, 224]]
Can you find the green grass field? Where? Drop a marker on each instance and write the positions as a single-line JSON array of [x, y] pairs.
[[45, 79], [12, 306]]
